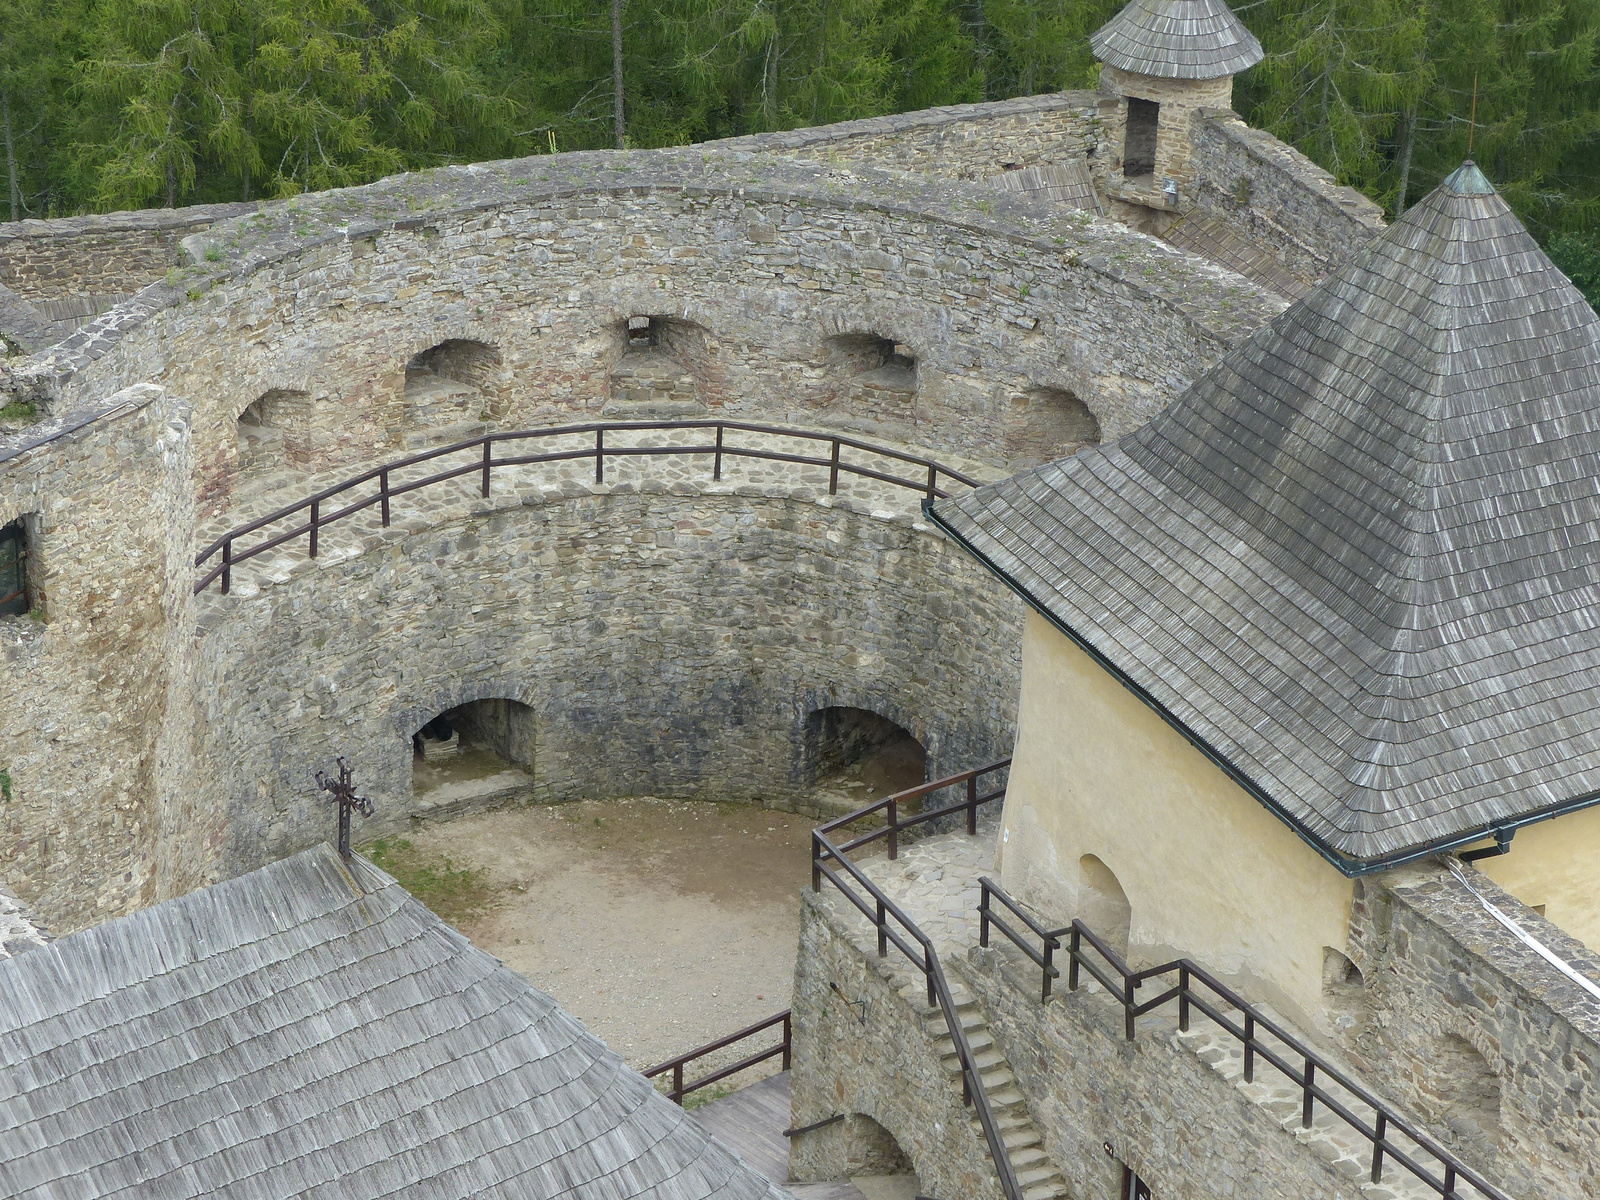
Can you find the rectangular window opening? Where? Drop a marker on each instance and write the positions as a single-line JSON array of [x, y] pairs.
[[1139, 142], [1133, 1188], [13, 569]]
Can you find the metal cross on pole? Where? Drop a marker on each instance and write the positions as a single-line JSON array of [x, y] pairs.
[[344, 795]]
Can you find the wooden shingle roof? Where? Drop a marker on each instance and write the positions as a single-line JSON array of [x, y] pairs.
[[1358, 562], [1176, 39], [311, 1031]]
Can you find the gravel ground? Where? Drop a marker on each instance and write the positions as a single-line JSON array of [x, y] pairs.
[[661, 924]]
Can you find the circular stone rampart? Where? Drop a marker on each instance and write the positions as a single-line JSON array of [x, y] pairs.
[[668, 643]]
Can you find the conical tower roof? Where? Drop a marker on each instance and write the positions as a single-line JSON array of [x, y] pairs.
[[1177, 39], [1358, 561]]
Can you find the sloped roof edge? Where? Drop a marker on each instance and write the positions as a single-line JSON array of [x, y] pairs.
[[1347, 865]]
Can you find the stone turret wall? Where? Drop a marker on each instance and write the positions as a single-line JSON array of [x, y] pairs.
[[669, 643]]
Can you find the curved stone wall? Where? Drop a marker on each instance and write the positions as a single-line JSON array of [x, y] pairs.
[[668, 644]]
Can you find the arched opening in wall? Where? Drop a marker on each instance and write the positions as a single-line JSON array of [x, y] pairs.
[[451, 391], [1344, 991], [1103, 905], [864, 1150], [473, 756], [1458, 1089], [1049, 423], [878, 375], [274, 430], [855, 753], [661, 372]]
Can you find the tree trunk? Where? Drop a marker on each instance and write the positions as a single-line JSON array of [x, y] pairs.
[[11, 156], [616, 70], [1408, 121]]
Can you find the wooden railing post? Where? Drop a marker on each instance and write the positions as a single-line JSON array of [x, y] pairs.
[[833, 470], [1308, 1097], [599, 455], [972, 806], [488, 448], [983, 913], [1249, 1047], [316, 506], [1380, 1130], [894, 829], [227, 565], [1129, 986], [1050, 946], [716, 469], [1072, 958], [1183, 999], [933, 475], [383, 494], [883, 931], [677, 1083], [816, 861], [1449, 1182], [788, 1040]]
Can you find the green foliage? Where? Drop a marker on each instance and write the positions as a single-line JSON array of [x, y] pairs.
[[107, 103], [19, 410], [5, 784], [455, 894], [1579, 257]]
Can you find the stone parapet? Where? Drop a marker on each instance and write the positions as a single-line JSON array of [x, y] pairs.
[[1278, 197]]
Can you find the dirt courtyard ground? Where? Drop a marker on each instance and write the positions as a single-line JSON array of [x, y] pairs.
[[660, 924]]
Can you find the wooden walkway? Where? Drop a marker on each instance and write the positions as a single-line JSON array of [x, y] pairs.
[[751, 1123]]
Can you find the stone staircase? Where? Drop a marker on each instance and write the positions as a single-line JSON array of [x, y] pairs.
[[1039, 1177], [1330, 1137]]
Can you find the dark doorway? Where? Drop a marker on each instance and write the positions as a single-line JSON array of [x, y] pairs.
[[474, 754], [13, 569], [858, 751], [1139, 143]]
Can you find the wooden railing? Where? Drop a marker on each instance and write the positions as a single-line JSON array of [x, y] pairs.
[[1192, 987], [829, 861], [378, 487], [676, 1065]]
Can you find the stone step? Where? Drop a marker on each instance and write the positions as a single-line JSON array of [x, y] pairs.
[[1045, 1191]]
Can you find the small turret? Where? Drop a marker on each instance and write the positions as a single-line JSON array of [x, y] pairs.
[[1164, 60]]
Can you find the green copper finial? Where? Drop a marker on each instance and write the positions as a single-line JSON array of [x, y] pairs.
[[1467, 180]]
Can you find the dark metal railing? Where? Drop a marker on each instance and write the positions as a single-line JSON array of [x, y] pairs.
[[1192, 987], [676, 1065], [829, 861], [482, 462]]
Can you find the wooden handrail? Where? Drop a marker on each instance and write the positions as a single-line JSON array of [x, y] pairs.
[[483, 462], [676, 1065], [829, 860], [1121, 983]]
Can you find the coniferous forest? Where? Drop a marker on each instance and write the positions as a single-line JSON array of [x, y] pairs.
[[127, 103]]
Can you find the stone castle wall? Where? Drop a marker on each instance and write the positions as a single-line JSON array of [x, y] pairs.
[[1471, 1028], [85, 687], [1278, 197], [669, 643]]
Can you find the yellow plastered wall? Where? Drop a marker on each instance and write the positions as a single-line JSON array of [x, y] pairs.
[[1209, 873], [1556, 864]]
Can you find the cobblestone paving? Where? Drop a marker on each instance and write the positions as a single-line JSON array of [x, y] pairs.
[[260, 493]]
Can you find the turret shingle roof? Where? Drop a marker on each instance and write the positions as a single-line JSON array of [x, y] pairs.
[[1177, 39], [309, 1030], [1359, 560]]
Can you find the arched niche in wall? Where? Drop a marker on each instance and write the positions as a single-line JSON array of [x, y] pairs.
[[1103, 905], [452, 391], [472, 756], [661, 371], [861, 755], [876, 375], [276, 429], [1047, 423]]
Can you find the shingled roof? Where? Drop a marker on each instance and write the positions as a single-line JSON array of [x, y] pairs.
[[311, 1031], [1177, 39], [1358, 562]]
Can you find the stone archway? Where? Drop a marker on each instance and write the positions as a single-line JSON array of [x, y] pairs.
[[474, 747], [861, 756]]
